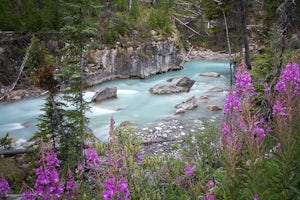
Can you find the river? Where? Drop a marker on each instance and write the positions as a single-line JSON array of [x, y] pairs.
[[134, 102]]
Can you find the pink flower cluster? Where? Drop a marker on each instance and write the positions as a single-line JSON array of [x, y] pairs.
[[4, 188], [244, 83], [232, 103], [71, 190], [290, 77], [47, 184], [92, 158], [116, 188], [188, 169]]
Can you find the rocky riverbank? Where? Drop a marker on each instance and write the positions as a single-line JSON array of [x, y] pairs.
[[167, 138], [206, 54]]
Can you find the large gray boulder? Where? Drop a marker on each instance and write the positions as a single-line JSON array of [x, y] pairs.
[[182, 81], [188, 104], [104, 94], [176, 85]]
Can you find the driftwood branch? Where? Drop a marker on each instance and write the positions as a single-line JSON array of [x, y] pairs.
[[186, 57], [184, 24], [19, 74], [159, 141]]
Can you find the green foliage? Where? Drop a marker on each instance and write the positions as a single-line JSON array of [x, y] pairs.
[[159, 19], [29, 16], [204, 144], [38, 55], [5, 142], [14, 175], [110, 37], [134, 11]]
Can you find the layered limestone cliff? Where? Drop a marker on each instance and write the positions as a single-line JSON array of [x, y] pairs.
[[132, 62]]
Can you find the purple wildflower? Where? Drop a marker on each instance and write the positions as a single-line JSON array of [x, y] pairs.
[[188, 169], [92, 158], [232, 102], [114, 188], [4, 188], [71, 187], [255, 197], [267, 90], [209, 197], [139, 157], [47, 184], [210, 183], [52, 160], [278, 109], [244, 83], [258, 132], [27, 194], [290, 77]]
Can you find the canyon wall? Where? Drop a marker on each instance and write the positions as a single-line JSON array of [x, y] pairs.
[[132, 62]]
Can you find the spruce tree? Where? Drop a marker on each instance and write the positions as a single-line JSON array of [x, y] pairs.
[[77, 33]]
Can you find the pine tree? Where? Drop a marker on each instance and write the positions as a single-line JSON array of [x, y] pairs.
[[77, 32]]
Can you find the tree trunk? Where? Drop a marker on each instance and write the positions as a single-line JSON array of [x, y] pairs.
[[129, 5], [229, 47], [245, 34]]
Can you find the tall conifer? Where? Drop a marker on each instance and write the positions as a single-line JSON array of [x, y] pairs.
[[77, 33]]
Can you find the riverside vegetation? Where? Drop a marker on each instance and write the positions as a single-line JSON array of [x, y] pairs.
[[251, 157]]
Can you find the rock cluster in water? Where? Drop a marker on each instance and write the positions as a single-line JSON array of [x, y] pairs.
[[176, 85]]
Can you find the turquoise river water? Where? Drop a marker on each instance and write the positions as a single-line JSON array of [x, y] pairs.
[[134, 102]]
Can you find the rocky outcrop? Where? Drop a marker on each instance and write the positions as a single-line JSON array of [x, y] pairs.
[[132, 62], [176, 85], [188, 104], [104, 94], [211, 74]]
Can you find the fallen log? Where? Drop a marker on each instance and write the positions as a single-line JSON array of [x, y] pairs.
[[147, 143], [15, 152]]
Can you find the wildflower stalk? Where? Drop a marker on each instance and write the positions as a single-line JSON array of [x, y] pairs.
[[243, 132], [283, 170], [47, 185]]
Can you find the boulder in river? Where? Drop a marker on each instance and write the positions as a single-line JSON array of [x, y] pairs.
[[211, 74], [182, 81], [188, 104], [214, 108], [176, 85], [216, 89], [206, 96], [104, 94]]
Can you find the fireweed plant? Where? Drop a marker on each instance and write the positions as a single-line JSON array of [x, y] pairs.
[[47, 185], [243, 135], [251, 169], [283, 170]]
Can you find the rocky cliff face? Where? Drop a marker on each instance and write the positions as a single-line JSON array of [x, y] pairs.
[[127, 62]]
